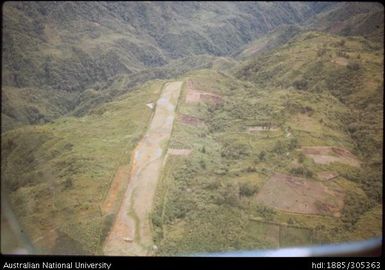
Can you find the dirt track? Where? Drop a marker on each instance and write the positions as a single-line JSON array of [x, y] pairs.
[[131, 232]]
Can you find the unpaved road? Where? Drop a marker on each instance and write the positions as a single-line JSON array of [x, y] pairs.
[[131, 232]]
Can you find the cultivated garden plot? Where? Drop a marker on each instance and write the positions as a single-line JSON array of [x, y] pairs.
[[194, 96], [326, 155], [300, 195]]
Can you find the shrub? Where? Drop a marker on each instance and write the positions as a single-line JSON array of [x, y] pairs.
[[106, 227], [202, 163], [300, 84], [341, 43], [250, 169], [354, 66], [371, 181], [321, 51], [213, 184], [229, 194], [247, 189], [279, 147], [235, 151], [178, 207], [301, 171], [355, 206], [308, 110], [156, 220], [68, 183], [265, 212], [293, 143], [262, 156]]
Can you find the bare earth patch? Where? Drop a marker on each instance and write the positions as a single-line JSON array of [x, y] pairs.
[[340, 61], [300, 195], [195, 96], [179, 152], [121, 178], [190, 120], [327, 154]]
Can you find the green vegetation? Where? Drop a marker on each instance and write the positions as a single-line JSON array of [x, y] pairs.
[[311, 104], [58, 174], [76, 78], [67, 51]]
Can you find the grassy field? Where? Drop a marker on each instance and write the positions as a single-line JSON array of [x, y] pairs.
[[58, 174]]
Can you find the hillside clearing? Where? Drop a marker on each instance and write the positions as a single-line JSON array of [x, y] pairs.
[[300, 195]]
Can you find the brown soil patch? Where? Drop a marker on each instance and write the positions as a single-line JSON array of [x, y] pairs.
[[342, 61], [195, 96], [190, 120], [327, 154], [179, 152], [299, 195], [210, 98], [326, 176], [121, 178]]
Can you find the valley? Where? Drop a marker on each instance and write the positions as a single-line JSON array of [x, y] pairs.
[[157, 129]]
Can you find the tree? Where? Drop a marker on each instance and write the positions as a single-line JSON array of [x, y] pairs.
[[247, 189]]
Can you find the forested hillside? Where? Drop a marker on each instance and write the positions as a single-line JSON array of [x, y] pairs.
[[276, 137]]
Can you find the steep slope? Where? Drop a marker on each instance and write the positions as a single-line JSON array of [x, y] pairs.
[[295, 99], [75, 46], [350, 68], [268, 42], [57, 175], [51, 47], [92, 41], [352, 19], [289, 152]]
